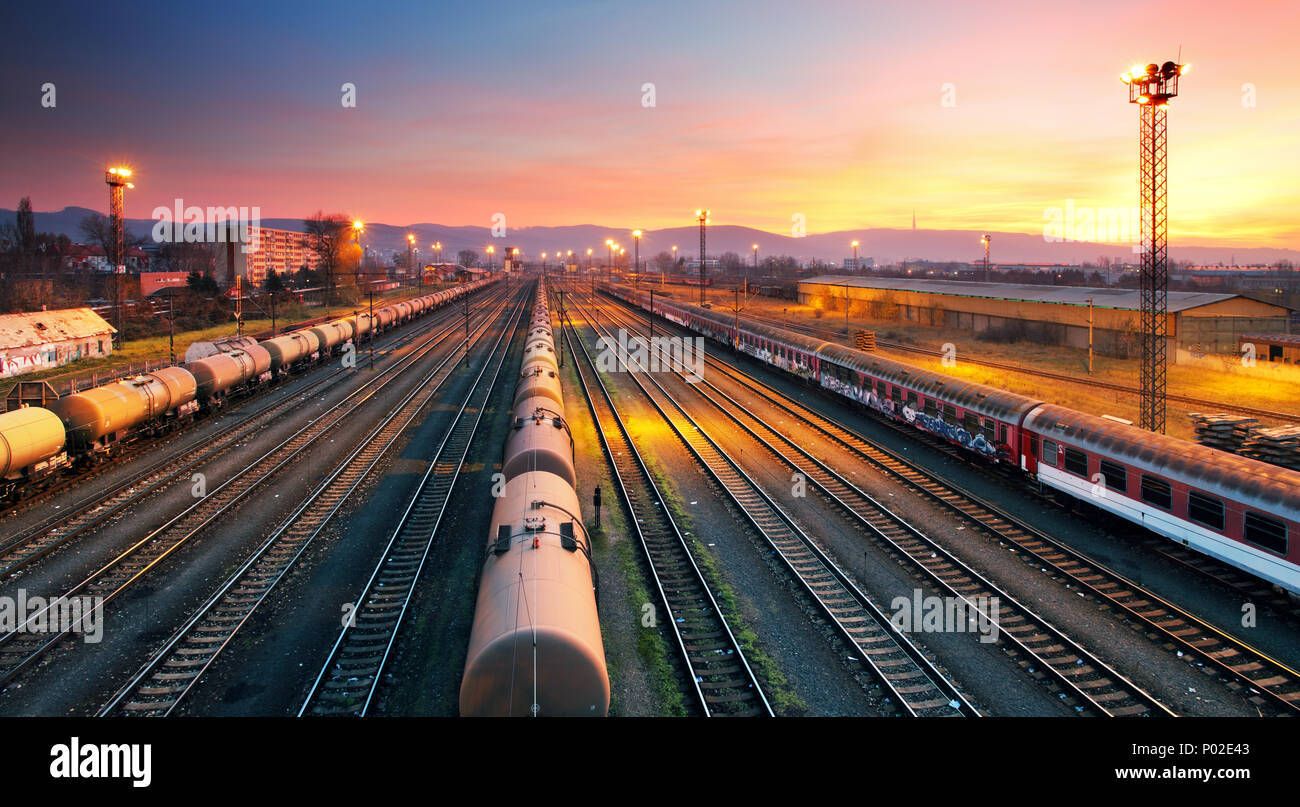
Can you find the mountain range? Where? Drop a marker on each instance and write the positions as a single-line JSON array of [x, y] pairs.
[[882, 244]]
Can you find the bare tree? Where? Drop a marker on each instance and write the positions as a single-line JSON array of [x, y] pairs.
[[326, 237], [467, 258]]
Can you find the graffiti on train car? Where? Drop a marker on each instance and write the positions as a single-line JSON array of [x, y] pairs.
[[949, 431]]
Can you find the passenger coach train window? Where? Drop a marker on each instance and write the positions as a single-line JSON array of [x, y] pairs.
[[1002, 433], [930, 408], [1205, 510], [1156, 491], [1076, 461], [970, 422], [1048, 457], [989, 426], [911, 400], [1265, 531], [1116, 476], [950, 414]]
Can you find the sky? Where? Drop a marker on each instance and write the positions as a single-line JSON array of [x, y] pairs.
[[836, 114]]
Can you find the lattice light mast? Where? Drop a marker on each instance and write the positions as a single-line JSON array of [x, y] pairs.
[[703, 216], [118, 180], [1151, 89]]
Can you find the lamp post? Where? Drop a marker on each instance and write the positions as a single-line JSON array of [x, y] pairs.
[[703, 216], [609, 265], [663, 279], [855, 254], [636, 260], [985, 241], [490, 251]]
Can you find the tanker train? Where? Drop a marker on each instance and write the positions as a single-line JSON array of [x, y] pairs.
[[1239, 510], [535, 647], [37, 444]]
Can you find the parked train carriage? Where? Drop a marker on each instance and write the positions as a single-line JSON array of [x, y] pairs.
[[535, 648], [982, 419], [216, 377], [539, 441], [791, 352], [330, 336], [97, 418], [1239, 510], [386, 317], [32, 448], [291, 351]]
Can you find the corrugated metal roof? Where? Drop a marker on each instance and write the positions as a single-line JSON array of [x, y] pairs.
[[1123, 299], [42, 327]]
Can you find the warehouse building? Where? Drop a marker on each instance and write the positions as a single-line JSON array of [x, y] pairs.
[[44, 339], [1199, 323]]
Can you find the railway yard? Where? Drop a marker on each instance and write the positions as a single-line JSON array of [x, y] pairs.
[[544, 499]]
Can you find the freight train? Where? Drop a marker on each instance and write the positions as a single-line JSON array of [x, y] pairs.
[[1236, 509], [535, 647], [38, 444]]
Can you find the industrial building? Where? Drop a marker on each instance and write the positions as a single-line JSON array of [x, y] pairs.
[[44, 339], [1199, 323]]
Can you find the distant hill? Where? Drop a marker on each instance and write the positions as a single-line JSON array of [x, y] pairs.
[[885, 245]]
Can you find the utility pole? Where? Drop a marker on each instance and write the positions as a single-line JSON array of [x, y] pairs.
[[171, 322], [466, 330], [636, 260], [239, 305], [1089, 336], [1151, 89], [652, 315], [560, 341], [371, 332], [735, 328]]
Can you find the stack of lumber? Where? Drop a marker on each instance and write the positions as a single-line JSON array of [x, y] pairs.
[[1222, 431], [1280, 446]]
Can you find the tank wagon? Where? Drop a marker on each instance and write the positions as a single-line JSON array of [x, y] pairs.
[[37, 443], [535, 647], [1239, 510], [32, 441], [97, 418]]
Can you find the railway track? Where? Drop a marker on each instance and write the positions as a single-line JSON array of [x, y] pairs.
[[832, 335], [1090, 683], [348, 679], [902, 669], [172, 672], [20, 649], [1266, 681], [719, 676], [23, 548]]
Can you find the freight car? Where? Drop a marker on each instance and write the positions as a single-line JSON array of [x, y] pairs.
[[96, 419], [32, 441], [1239, 510], [33, 451], [535, 646]]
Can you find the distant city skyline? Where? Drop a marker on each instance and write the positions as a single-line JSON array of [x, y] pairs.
[[852, 117]]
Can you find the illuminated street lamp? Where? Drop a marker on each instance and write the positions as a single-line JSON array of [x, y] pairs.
[[985, 241], [490, 251], [756, 260], [855, 254], [703, 216], [636, 259]]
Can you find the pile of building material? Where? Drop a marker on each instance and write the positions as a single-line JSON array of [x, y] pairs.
[[1224, 432], [1280, 446]]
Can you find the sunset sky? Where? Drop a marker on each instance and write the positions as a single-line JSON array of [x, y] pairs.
[[763, 110]]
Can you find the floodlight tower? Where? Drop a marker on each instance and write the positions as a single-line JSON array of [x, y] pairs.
[[118, 180], [1151, 89], [703, 216]]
